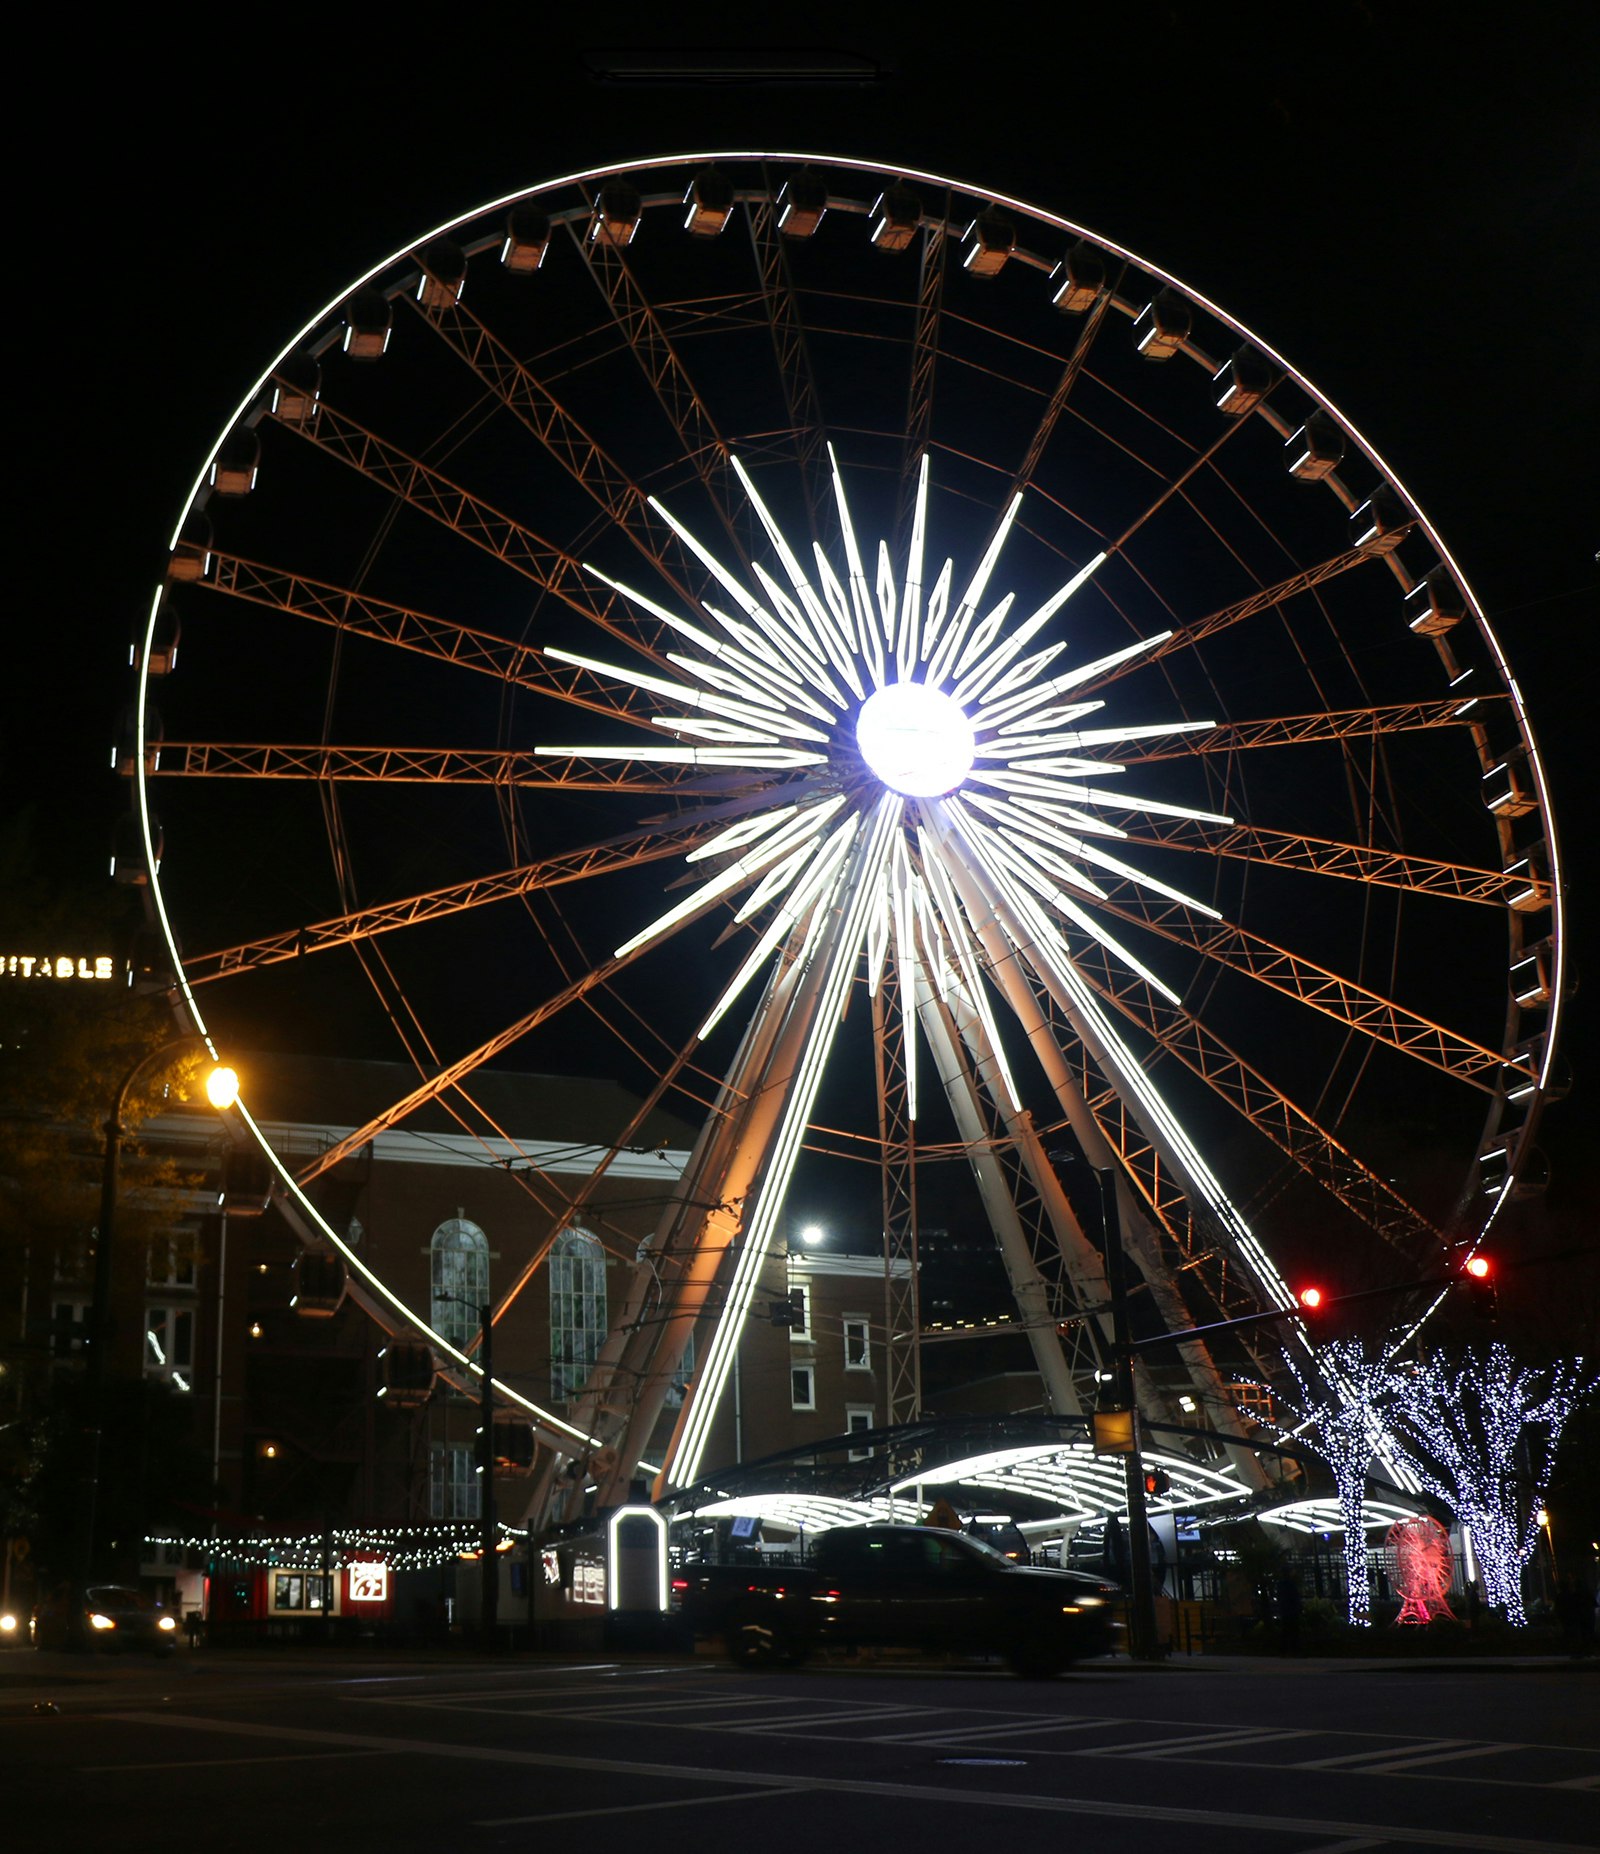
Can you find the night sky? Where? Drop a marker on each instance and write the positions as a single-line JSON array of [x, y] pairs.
[[1407, 213]]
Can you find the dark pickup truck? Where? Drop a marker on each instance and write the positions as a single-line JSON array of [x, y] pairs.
[[900, 1586]]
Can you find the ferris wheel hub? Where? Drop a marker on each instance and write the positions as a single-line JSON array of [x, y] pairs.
[[916, 739]]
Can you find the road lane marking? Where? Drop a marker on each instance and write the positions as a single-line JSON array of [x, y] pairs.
[[1437, 1757], [1347, 1758], [221, 1763], [960, 1735], [1199, 1741], [943, 1797], [757, 1794]]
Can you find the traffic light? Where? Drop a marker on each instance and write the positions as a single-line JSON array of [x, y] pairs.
[[1313, 1299], [1477, 1274], [1157, 1481]]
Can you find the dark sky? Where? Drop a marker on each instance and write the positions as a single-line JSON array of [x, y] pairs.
[[1407, 211]]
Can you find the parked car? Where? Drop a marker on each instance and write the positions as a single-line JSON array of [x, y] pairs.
[[902, 1586], [110, 1617]]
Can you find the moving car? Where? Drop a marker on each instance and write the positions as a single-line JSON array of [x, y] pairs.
[[902, 1586], [111, 1617]]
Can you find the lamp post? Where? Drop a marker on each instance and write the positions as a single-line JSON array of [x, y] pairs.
[[488, 1515], [222, 1089], [489, 1565]]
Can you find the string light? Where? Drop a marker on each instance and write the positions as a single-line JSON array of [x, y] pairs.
[[1481, 1436], [405, 1548], [1346, 1425]]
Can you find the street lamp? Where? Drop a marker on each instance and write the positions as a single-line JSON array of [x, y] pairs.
[[489, 1524], [222, 1090]]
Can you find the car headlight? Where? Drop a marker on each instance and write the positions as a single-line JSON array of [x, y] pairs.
[[97, 1621], [166, 1622]]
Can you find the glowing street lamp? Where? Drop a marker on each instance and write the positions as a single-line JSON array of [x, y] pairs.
[[222, 1089]]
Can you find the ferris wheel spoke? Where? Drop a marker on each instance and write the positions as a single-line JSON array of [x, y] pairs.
[[497, 534], [1290, 1127], [923, 357], [581, 456], [646, 338], [456, 766], [1186, 636], [574, 991], [1051, 417], [793, 358], [632, 851], [359, 614], [1346, 1001], [1296, 730], [1323, 856], [1175, 485]]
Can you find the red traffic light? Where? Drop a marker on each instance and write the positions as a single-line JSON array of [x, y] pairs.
[[1482, 1294], [1311, 1298]]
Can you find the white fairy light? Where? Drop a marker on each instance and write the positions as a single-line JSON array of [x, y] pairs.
[[1481, 1435]]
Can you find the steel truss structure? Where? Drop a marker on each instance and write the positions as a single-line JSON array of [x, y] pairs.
[[576, 541]]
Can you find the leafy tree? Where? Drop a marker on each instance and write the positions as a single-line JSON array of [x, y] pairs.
[[65, 1046]]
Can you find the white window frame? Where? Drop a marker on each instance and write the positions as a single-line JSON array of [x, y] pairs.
[[859, 1323], [577, 1269], [455, 1488], [806, 1398], [458, 1279], [859, 1416], [172, 1329], [801, 1332]]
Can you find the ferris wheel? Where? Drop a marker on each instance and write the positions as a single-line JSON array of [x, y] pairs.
[[908, 685]]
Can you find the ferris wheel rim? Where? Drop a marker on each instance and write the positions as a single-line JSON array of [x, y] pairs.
[[857, 166]]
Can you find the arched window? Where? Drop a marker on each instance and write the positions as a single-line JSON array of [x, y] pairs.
[[460, 1256], [577, 1310]]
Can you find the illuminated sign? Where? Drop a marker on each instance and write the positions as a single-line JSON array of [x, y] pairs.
[[369, 1583], [62, 966]]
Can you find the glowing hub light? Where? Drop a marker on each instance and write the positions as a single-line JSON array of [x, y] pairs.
[[222, 1087], [916, 739]]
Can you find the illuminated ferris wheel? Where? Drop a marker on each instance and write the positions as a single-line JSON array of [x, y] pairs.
[[909, 685]]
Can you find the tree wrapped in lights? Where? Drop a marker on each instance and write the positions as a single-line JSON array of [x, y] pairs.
[[1481, 1436], [1344, 1420]]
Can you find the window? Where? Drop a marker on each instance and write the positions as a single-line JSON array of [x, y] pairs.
[[169, 1345], [857, 1343], [802, 1387], [454, 1491], [169, 1263], [858, 1418], [69, 1327], [577, 1310], [296, 1590], [460, 1266], [800, 1300]]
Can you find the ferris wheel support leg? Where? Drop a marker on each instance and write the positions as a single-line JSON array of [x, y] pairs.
[[640, 1358], [756, 1159], [1139, 1238], [963, 1091]]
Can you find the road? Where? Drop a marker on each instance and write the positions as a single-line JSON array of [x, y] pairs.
[[243, 1753]]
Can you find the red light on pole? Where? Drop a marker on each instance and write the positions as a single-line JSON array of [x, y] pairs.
[[1311, 1299], [1478, 1273]]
